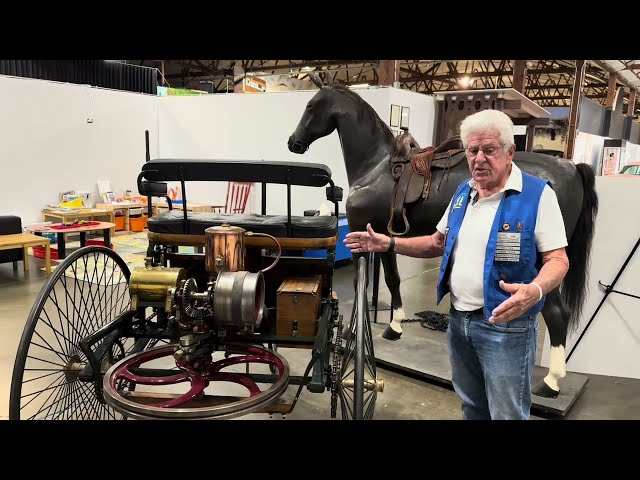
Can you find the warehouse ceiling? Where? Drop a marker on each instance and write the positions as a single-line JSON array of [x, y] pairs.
[[548, 82]]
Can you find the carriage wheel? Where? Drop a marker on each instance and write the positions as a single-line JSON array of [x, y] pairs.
[[89, 289], [357, 384], [157, 397]]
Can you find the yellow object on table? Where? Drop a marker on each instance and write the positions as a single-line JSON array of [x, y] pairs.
[[76, 203]]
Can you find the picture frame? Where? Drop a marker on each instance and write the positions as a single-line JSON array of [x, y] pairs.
[[109, 197], [394, 120], [404, 118]]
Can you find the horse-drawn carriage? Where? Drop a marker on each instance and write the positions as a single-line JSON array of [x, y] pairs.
[[201, 333]]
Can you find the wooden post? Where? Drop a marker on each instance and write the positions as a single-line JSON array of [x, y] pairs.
[[388, 72], [531, 130], [581, 67], [238, 78], [611, 90], [519, 76], [632, 103]]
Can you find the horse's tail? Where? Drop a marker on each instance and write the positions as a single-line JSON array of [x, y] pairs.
[[574, 285]]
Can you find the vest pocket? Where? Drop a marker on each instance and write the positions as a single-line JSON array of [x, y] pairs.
[[527, 246]]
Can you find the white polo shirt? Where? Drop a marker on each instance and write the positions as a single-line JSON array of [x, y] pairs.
[[467, 257]]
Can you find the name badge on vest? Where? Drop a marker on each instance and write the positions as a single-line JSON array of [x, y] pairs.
[[508, 247]]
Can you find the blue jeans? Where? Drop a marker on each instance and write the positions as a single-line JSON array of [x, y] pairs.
[[492, 365]]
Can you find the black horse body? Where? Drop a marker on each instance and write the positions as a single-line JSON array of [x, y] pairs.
[[367, 146]]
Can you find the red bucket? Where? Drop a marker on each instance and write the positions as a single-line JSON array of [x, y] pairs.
[[40, 252]]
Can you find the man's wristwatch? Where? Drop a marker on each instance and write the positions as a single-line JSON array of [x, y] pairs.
[[392, 244]]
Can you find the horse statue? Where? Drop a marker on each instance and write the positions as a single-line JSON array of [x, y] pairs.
[[368, 147]]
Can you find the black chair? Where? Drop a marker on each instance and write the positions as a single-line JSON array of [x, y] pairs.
[[11, 224]]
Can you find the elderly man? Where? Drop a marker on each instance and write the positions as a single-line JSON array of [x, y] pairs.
[[497, 239]]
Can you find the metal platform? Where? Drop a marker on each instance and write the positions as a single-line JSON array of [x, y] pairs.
[[423, 352]]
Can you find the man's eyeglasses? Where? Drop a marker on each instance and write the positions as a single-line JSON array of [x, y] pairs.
[[487, 150]]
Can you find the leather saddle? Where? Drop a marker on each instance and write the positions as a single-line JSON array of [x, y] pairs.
[[411, 168]]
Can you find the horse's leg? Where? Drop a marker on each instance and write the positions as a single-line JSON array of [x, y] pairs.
[[556, 316], [392, 279]]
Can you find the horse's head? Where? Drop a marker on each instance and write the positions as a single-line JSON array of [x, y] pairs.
[[318, 119], [366, 141]]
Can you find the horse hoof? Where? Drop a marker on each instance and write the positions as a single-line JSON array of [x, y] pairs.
[[390, 334], [544, 390]]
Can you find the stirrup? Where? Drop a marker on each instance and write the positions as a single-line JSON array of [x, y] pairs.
[[406, 224]]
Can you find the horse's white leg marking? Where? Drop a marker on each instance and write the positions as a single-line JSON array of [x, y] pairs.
[[557, 367], [398, 317]]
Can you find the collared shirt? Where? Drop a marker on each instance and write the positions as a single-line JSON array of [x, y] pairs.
[[467, 257], [514, 182]]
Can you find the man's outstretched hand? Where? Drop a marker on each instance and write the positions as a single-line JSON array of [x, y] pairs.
[[523, 297], [369, 241]]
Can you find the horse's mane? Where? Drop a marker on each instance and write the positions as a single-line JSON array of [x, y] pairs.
[[365, 111]]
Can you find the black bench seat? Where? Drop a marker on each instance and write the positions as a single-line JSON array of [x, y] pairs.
[[171, 222]]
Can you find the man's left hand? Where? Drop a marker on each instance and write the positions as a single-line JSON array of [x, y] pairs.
[[523, 297]]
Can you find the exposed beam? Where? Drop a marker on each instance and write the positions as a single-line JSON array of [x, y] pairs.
[[519, 77], [607, 68], [388, 71], [632, 102], [611, 90], [574, 111]]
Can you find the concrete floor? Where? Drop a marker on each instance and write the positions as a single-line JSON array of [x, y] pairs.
[[405, 397]]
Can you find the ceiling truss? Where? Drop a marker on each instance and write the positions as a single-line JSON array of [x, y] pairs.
[[547, 82]]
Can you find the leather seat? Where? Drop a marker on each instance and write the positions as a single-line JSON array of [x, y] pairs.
[[325, 226]]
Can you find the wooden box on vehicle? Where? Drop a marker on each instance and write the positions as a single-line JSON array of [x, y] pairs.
[[298, 306]]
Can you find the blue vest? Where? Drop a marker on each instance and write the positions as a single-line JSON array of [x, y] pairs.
[[516, 214]]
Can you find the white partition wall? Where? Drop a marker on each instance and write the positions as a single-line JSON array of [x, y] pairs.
[[243, 127], [257, 127], [58, 137], [611, 344], [421, 113]]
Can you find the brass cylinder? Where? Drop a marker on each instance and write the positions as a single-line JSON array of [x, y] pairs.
[[150, 286], [224, 249]]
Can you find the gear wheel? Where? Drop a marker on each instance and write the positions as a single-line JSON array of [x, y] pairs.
[[187, 306], [337, 364]]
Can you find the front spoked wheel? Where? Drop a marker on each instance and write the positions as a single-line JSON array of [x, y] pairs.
[[87, 291]]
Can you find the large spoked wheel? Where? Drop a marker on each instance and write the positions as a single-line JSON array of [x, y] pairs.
[[357, 383], [87, 291], [158, 395]]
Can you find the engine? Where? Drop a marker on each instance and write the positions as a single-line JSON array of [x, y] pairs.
[[233, 297]]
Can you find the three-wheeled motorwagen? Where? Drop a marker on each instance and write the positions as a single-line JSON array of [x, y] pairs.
[[201, 330]]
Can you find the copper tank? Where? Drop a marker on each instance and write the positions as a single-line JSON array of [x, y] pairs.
[[224, 249]]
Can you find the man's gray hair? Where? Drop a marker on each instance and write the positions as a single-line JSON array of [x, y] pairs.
[[493, 121]]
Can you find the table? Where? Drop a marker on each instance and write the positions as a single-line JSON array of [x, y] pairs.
[[82, 230], [81, 214], [26, 240]]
